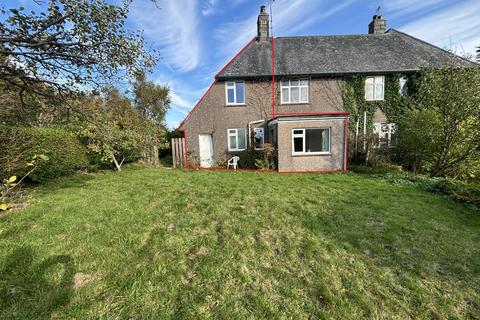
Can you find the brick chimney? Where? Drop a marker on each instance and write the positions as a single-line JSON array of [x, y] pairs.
[[378, 25], [263, 25]]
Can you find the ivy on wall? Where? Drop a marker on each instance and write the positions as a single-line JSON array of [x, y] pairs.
[[393, 106]]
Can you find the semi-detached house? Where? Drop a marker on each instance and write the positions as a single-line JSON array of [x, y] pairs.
[[287, 91]]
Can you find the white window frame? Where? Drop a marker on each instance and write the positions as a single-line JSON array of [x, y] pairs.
[[289, 87], [374, 84], [304, 147], [384, 136], [403, 86], [228, 85], [235, 134], [255, 130]]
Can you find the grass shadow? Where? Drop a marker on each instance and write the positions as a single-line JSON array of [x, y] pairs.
[[34, 290]]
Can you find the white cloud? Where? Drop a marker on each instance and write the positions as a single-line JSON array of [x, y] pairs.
[[411, 7], [172, 27], [289, 17], [454, 27], [209, 7]]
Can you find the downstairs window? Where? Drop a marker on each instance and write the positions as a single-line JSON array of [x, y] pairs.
[[237, 139], [311, 141]]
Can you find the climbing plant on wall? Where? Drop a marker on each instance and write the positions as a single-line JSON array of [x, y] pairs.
[[362, 111]]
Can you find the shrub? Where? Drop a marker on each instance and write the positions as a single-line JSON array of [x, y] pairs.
[[248, 158], [67, 155], [461, 191]]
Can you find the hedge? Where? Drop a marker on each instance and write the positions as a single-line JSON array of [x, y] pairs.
[[66, 153]]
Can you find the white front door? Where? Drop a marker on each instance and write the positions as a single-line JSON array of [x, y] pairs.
[[206, 150]]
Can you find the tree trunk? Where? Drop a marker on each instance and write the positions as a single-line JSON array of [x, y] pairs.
[[118, 165]]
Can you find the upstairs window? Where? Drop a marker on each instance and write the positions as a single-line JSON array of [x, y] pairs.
[[259, 138], [403, 86], [374, 88], [237, 139], [294, 91], [235, 93], [311, 141]]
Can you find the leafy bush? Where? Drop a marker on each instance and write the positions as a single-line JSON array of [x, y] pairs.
[[67, 155], [248, 158], [461, 191]]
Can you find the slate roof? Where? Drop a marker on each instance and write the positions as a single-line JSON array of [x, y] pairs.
[[393, 51]]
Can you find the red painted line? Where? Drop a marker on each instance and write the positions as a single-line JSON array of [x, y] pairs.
[[346, 142], [214, 82], [273, 76], [313, 171], [228, 169], [235, 57], [264, 171], [196, 106]]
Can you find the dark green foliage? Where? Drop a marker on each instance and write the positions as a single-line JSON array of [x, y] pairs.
[[458, 190], [248, 158], [65, 152], [440, 134]]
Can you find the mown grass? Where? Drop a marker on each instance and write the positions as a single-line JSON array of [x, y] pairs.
[[160, 243]]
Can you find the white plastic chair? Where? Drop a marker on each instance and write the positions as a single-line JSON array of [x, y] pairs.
[[233, 162]]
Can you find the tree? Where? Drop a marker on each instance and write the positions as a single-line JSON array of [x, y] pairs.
[[110, 129], [441, 134], [151, 99], [70, 46]]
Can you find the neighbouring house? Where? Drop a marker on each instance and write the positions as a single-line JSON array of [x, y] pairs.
[[287, 91]]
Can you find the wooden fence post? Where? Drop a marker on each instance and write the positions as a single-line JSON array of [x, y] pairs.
[[178, 152]]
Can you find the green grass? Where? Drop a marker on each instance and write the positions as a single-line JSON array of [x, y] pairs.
[[160, 243]]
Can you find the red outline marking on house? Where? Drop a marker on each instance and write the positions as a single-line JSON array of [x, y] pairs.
[[214, 82], [273, 76], [263, 171]]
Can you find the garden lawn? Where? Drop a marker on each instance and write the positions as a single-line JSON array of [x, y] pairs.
[[161, 243]]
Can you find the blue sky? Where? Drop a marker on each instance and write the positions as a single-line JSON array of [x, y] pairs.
[[197, 37]]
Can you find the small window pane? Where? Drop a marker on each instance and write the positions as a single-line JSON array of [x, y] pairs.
[[294, 94], [326, 140], [314, 140], [378, 80], [240, 92], [285, 97], [304, 94], [231, 95], [285, 83], [230, 84], [241, 139], [369, 81], [304, 82], [378, 91], [294, 83], [369, 92], [298, 144], [259, 138], [233, 142], [297, 132]]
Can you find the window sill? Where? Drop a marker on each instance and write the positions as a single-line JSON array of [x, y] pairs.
[[294, 103], [239, 150], [310, 154], [369, 100], [236, 105]]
